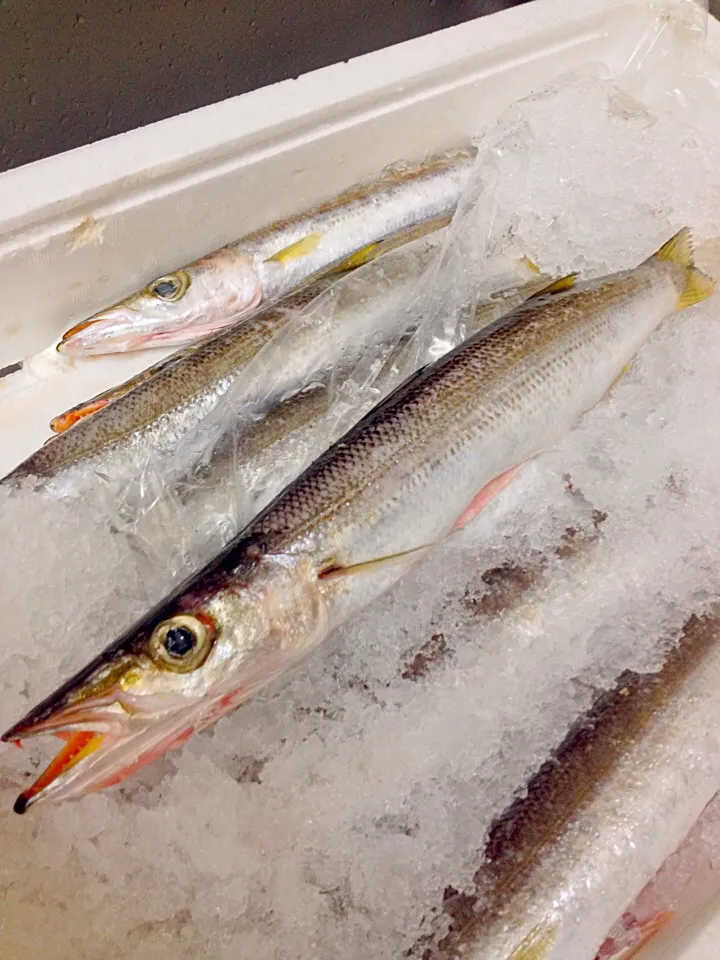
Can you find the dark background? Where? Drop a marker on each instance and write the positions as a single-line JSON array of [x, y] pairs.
[[74, 71]]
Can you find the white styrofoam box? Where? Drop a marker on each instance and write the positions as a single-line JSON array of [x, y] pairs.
[[85, 228]]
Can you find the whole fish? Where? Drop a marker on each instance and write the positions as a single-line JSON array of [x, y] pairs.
[[263, 266], [416, 468], [556, 858], [150, 414]]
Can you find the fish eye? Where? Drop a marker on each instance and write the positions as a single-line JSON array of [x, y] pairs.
[[181, 643], [170, 288]]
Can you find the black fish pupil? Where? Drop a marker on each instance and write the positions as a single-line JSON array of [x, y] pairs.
[[179, 641], [165, 289]]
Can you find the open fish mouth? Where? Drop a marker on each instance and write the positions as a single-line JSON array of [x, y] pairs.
[[78, 746], [102, 745], [137, 325], [103, 332], [105, 335]]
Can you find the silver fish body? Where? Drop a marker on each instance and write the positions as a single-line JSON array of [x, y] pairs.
[[212, 292]]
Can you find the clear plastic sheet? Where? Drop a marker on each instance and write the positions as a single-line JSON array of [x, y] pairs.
[[348, 813], [328, 366]]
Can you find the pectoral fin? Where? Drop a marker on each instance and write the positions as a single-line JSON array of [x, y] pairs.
[[483, 498], [296, 250], [332, 571]]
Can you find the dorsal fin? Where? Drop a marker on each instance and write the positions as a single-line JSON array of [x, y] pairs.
[[557, 286]]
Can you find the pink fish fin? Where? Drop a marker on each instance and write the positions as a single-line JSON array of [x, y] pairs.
[[641, 932], [483, 498], [648, 929]]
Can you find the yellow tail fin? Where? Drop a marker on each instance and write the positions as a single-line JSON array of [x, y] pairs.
[[698, 287], [679, 250]]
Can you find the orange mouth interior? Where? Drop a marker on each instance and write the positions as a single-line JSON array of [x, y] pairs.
[[78, 328], [77, 746], [81, 744]]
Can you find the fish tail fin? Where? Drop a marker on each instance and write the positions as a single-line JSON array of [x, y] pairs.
[[537, 943], [679, 251], [698, 287]]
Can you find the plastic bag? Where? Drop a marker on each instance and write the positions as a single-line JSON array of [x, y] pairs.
[[330, 364]]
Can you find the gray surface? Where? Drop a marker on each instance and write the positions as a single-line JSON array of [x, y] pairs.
[[74, 71]]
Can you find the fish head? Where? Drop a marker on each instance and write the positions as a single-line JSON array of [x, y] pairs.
[[192, 660], [172, 310]]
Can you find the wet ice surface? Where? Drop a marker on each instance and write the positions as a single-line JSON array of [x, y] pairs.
[[327, 818]]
